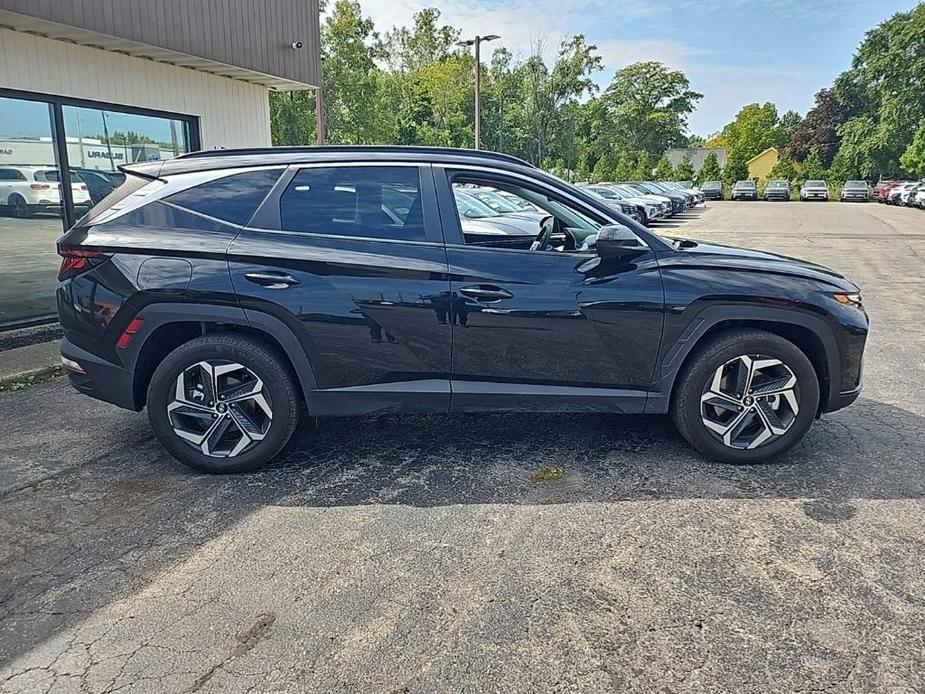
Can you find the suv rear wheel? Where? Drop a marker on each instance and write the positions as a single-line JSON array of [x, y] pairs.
[[18, 206], [746, 397], [223, 403]]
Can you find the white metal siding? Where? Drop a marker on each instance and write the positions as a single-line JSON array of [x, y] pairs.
[[231, 113]]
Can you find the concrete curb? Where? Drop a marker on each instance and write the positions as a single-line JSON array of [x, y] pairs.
[[31, 361]]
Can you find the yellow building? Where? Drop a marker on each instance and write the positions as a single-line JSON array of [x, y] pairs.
[[759, 166]]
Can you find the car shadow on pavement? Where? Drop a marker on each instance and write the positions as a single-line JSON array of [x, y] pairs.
[[79, 542]]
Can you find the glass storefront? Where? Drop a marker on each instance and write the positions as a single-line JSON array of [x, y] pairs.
[[35, 165]]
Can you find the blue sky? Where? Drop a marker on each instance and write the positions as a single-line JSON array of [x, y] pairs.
[[734, 51]]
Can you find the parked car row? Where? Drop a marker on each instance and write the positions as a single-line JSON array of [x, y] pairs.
[[26, 190], [903, 193], [780, 189], [648, 201]]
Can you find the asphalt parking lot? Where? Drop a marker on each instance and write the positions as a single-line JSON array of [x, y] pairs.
[[419, 555]]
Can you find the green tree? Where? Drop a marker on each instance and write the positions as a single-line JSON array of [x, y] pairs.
[[812, 169], [710, 170], [751, 132], [734, 171], [425, 43], [643, 169], [684, 171], [646, 107], [663, 169], [784, 168], [913, 159], [624, 168], [351, 76], [547, 92], [786, 127], [292, 117], [883, 92], [603, 170]]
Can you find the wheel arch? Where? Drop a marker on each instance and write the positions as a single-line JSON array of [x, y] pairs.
[[168, 325], [808, 332]]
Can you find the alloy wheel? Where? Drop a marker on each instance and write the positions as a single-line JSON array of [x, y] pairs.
[[750, 401], [220, 408]]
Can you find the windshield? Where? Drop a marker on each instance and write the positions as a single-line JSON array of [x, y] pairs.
[[713, 184], [745, 184], [778, 184], [496, 202], [816, 184], [472, 208], [856, 184]]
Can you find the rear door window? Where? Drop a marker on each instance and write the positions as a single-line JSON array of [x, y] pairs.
[[382, 202]]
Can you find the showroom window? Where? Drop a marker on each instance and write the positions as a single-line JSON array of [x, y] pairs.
[[60, 157]]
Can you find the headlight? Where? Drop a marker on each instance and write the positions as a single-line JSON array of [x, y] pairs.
[[849, 299]]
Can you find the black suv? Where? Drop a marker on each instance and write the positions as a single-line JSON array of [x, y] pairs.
[[234, 291]]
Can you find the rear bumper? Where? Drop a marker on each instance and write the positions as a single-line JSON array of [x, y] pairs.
[[101, 379]]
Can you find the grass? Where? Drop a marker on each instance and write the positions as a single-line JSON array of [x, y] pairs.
[[550, 473], [32, 378]]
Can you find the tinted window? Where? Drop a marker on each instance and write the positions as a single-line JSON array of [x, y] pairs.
[[157, 214], [232, 198], [371, 201], [11, 175]]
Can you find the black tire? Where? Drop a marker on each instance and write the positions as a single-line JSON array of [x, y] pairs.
[[699, 369], [18, 206], [258, 357]]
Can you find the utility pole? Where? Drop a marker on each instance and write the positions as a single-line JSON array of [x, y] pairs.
[[319, 115], [477, 42]]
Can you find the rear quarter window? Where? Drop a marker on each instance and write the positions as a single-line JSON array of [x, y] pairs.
[[232, 199]]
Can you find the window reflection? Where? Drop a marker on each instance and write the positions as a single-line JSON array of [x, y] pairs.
[[30, 210], [97, 142], [101, 140]]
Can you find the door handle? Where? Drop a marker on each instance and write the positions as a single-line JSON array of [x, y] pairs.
[[486, 293], [271, 280]]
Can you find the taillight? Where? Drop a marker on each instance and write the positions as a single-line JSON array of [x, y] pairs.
[[40, 186], [76, 260]]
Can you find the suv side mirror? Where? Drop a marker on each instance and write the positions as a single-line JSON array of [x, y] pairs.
[[616, 241]]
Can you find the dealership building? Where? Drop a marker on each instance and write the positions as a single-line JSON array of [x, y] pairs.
[[89, 85]]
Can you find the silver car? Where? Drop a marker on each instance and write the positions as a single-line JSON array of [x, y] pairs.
[[814, 190]]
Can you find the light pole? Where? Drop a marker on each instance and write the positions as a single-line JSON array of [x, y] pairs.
[[477, 42]]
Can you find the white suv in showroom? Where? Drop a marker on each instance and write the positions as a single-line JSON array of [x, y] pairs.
[[25, 190]]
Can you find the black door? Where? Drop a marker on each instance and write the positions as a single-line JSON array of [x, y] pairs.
[[547, 329], [351, 258]]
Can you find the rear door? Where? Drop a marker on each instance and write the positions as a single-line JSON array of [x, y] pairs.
[[351, 257]]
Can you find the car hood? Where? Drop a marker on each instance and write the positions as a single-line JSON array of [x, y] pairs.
[[732, 258]]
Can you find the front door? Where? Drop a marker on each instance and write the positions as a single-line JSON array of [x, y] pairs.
[[554, 327], [351, 258]]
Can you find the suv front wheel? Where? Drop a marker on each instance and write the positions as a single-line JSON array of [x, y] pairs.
[[745, 397], [223, 403]]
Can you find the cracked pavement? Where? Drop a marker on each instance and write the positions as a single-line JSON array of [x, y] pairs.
[[416, 555]]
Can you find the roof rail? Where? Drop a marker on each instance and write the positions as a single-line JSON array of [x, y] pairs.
[[311, 149]]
